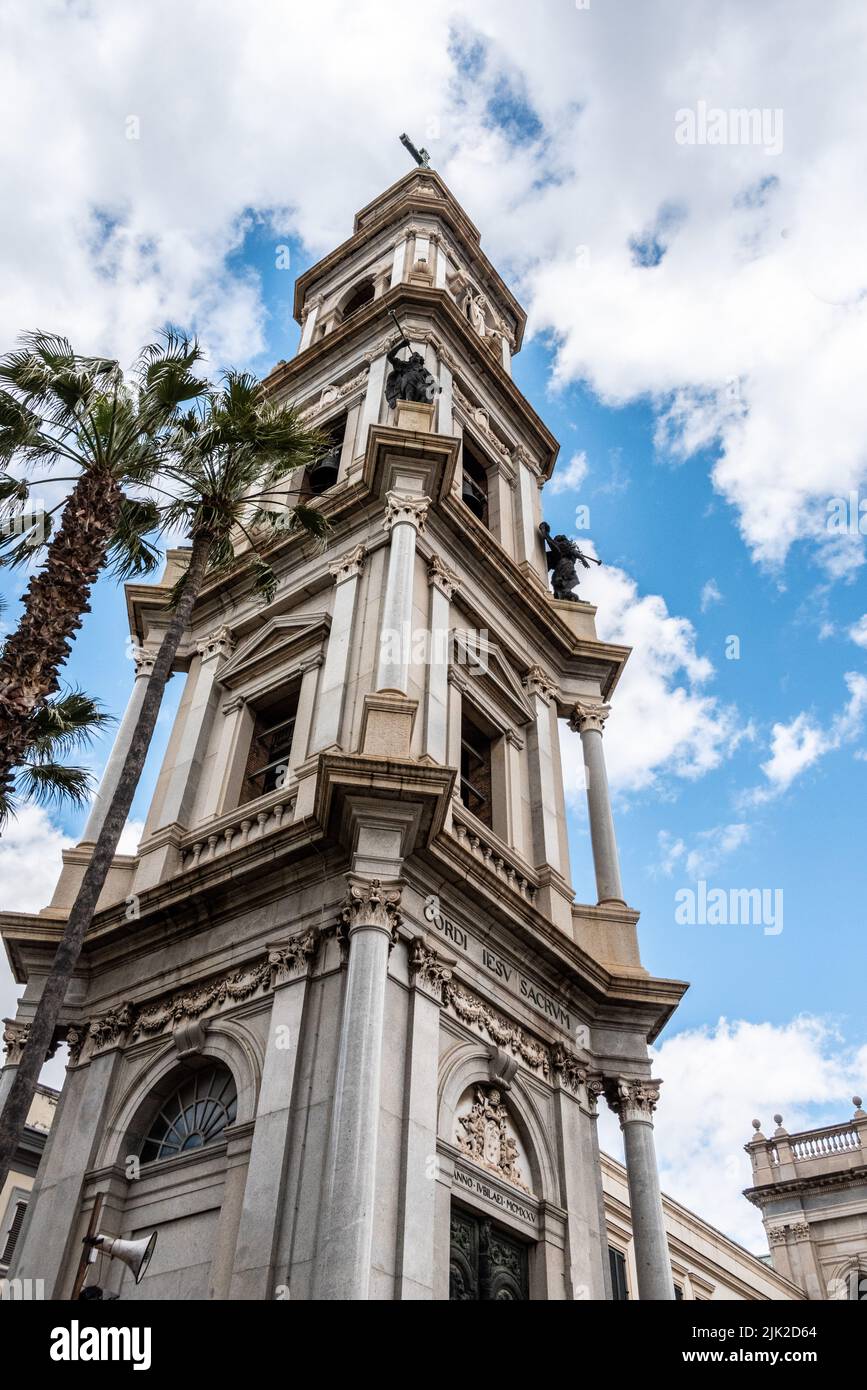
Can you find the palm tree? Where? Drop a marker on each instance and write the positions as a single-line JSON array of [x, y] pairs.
[[79, 419], [55, 730], [231, 455]]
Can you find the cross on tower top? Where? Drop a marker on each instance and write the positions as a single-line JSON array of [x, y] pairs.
[[420, 156]]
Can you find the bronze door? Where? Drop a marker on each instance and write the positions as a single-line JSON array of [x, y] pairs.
[[486, 1263]]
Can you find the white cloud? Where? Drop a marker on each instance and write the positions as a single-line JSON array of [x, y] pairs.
[[663, 721], [130, 837], [707, 851], [30, 863], [569, 478], [858, 631], [716, 1080], [800, 744], [710, 594]]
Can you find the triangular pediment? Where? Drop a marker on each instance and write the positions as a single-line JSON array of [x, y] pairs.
[[279, 642], [483, 663]]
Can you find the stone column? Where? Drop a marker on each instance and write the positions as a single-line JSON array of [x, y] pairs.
[[546, 830], [144, 664], [48, 1249], [442, 586], [399, 262], [311, 313], [372, 399], [332, 691], [182, 783], [404, 518], [262, 1211], [634, 1102], [346, 1232], [529, 549], [587, 719], [417, 1221]]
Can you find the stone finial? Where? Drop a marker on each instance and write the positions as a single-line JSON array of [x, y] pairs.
[[778, 1121], [757, 1126], [859, 1113]]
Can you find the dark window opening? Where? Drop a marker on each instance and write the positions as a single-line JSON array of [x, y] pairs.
[[486, 1264], [476, 771], [361, 295], [13, 1233], [678, 1292], [617, 1265], [270, 747], [474, 489], [323, 474]]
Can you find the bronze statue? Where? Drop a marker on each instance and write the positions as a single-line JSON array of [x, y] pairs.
[[409, 379], [561, 554]]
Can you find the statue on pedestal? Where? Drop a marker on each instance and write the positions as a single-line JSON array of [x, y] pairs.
[[561, 554], [409, 379]]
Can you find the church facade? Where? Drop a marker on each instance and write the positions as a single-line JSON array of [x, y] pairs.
[[342, 1024]]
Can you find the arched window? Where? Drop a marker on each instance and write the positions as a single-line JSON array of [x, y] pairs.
[[357, 298], [195, 1114]]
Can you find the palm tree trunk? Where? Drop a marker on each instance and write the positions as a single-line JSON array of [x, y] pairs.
[[48, 1010], [55, 600]]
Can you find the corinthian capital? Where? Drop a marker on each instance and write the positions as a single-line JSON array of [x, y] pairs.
[[588, 715], [631, 1098], [439, 576], [539, 683], [371, 905], [349, 565], [217, 643], [401, 508]]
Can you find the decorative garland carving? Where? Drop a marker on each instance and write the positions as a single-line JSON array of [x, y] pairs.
[[182, 1006], [469, 1009]]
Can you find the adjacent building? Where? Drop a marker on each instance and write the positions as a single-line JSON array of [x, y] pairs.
[[16, 1191], [811, 1188]]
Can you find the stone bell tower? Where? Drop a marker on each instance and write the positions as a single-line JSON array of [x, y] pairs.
[[341, 1026]]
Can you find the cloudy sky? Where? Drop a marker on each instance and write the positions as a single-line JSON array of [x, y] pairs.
[[696, 289]]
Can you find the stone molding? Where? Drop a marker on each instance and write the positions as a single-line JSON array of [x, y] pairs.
[[403, 509], [129, 1022], [349, 566], [587, 716]]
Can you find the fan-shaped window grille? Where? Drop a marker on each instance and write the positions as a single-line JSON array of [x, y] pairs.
[[196, 1114]]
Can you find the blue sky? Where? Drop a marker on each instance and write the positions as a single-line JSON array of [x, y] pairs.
[[697, 334]]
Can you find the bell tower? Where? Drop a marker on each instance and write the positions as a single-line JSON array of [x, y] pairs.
[[350, 927]]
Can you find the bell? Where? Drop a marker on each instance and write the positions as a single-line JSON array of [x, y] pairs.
[[323, 474], [135, 1254], [473, 497]]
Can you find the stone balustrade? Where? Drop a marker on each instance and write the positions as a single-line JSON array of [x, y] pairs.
[[490, 851], [822, 1143], [252, 821]]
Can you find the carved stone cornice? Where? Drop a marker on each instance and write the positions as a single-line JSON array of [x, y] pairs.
[[177, 1009], [588, 715], [427, 969], [371, 905], [471, 1010], [403, 509], [538, 682], [349, 566], [217, 643], [439, 576], [632, 1098]]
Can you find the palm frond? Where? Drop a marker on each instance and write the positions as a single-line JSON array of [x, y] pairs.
[[50, 783]]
